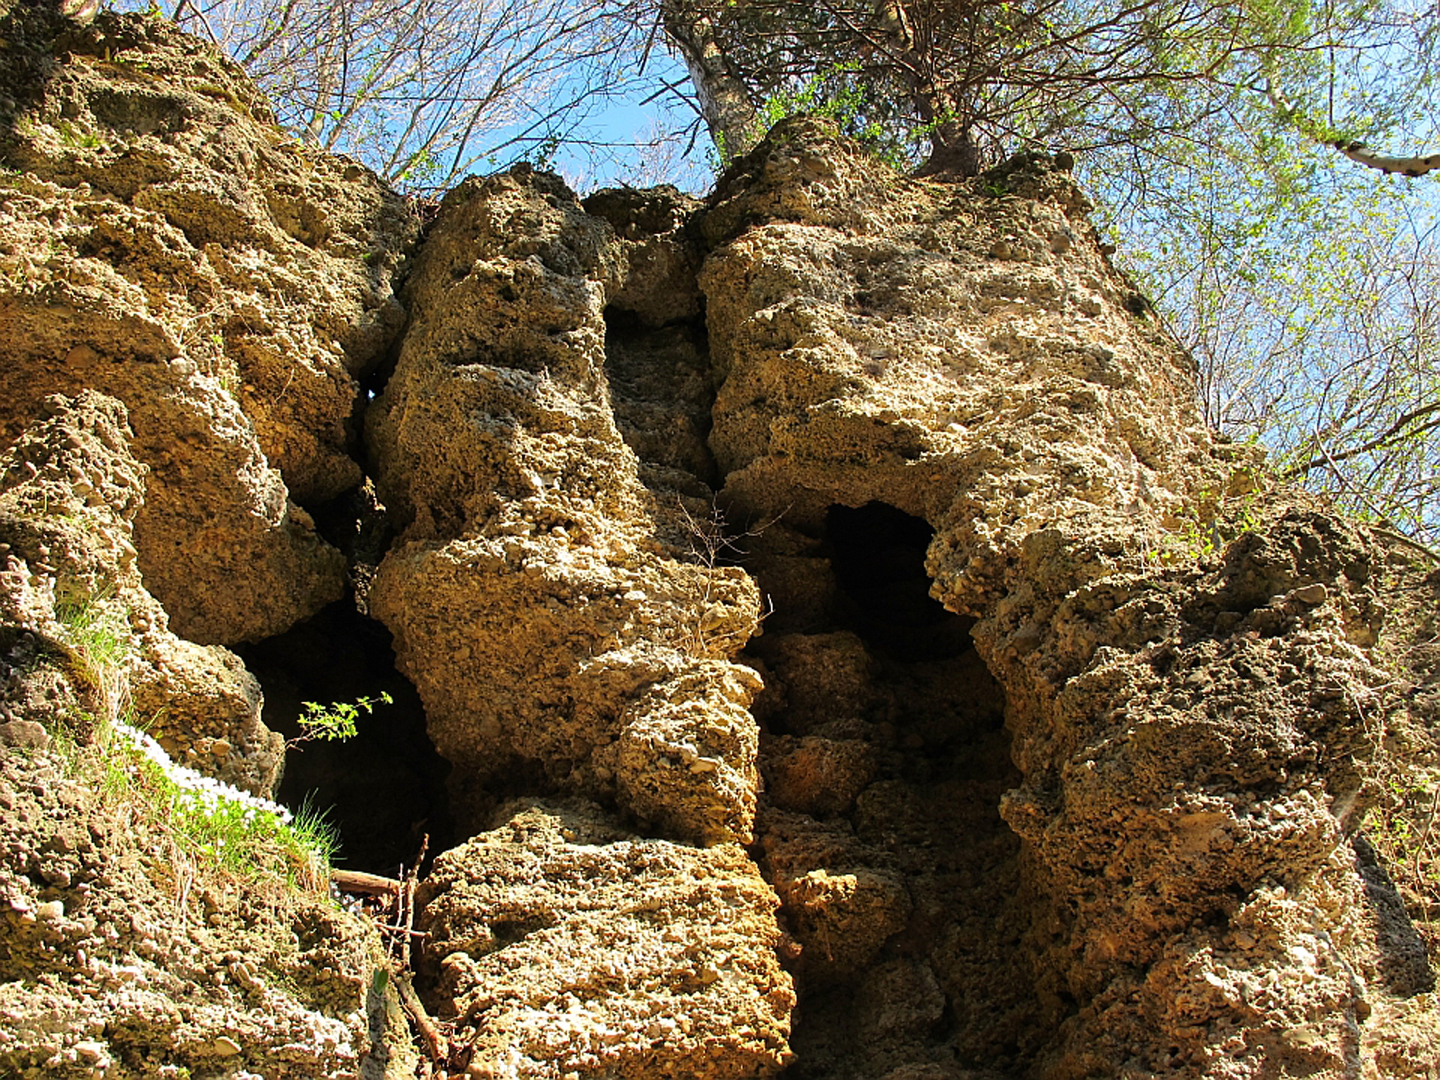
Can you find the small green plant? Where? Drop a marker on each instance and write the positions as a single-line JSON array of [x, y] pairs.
[[95, 643], [219, 826], [70, 136], [1207, 527], [336, 720]]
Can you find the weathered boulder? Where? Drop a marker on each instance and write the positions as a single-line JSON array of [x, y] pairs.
[[86, 643], [564, 946], [162, 241], [544, 601]]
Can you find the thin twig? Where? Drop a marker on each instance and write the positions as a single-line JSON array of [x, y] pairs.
[[435, 1042]]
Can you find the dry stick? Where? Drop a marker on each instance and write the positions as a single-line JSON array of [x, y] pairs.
[[439, 1051], [356, 881], [407, 912]]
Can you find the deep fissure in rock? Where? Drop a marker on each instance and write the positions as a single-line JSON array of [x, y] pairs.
[[885, 756], [877, 553], [385, 788], [662, 392]]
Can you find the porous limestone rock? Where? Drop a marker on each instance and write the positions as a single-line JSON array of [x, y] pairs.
[[1192, 708], [565, 947], [162, 241], [124, 956], [85, 642], [545, 602]]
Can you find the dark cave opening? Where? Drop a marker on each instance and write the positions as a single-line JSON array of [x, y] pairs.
[[877, 554], [384, 789], [866, 665]]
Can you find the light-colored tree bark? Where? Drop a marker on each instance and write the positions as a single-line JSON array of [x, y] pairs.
[[723, 96]]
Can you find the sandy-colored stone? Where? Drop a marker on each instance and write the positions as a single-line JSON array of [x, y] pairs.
[[163, 242], [565, 947], [1191, 724], [88, 642], [544, 601], [121, 956]]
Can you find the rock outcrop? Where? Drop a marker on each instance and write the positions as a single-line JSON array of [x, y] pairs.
[[1053, 759], [124, 952], [166, 244], [85, 640], [565, 946], [545, 602]]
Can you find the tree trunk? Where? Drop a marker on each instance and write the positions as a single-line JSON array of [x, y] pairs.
[[952, 150], [724, 101]]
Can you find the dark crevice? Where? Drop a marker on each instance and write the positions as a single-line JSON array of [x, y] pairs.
[[662, 391], [385, 788], [913, 698], [877, 553]]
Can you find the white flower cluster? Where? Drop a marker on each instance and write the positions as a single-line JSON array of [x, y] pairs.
[[209, 794]]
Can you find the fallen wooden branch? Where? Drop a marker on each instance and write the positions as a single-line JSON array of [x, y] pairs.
[[357, 881], [435, 1042]]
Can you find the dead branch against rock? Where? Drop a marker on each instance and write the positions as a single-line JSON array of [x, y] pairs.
[[437, 1045], [405, 925], [360, 883]]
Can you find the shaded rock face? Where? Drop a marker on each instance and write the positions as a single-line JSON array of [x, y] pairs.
[[163, 242]]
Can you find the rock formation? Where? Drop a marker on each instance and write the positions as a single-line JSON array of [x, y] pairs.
[[168, 245], [853, 656]]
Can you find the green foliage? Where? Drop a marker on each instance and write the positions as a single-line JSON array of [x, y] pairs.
[[839, 94], [1204, 529], [98, 634], [336, 720], [222, 829]]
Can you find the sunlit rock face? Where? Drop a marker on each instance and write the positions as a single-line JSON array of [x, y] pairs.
[[1053, 756], [1189, 720], [162, 241], [568, 945], [545, 601]]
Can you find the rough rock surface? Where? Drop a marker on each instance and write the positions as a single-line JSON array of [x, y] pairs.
[[543, 600], [163, 242], [83, 640], [564, 946], [121, 958], [1054, 759], [1191, 721]]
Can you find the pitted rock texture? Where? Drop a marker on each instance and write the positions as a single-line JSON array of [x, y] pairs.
[[84, 641], [1055, 757], [121, 958], [163, 242], [1193, 724], [965, 356], [563, 946], [1194, 746], [546, 603]]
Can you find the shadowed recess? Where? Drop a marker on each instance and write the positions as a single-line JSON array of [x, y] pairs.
[[877, 553], [385, 788]]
